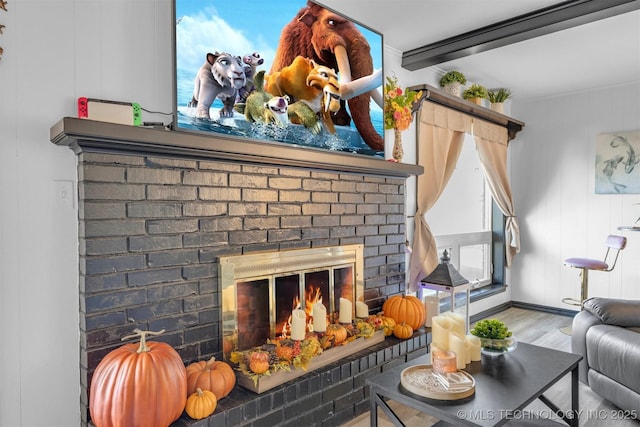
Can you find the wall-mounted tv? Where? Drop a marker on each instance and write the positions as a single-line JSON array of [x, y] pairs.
[[290, 72]]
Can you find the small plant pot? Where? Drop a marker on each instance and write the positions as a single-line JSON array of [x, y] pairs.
[[454, 89], [498, 107], [497, 347], [477, 101]]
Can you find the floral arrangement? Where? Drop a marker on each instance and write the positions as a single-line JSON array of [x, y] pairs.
[[285, 354], [398, 105]]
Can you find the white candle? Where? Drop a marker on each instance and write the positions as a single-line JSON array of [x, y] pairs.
[[362, 310], [432, 307], [319, 317], [345, 311], [474, 345], [458, 325], [458, 344], [440, 328], [298, 325]]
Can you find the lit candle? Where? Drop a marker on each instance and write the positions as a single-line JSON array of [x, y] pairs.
[[345, 311], [458, 344], [362, 310], [458, 325], [298, 325], [319, 317], [440, 328], [474, 348], [443, 361]]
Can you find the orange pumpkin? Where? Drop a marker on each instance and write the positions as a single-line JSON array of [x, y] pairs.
[[402, 331], [130, 381], [259, 362], [201, 404], [338, 332], [215, 376], [405, 308]]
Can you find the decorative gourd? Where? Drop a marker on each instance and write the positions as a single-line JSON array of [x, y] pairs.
[[130, 381], [387, 325], [284, 352], [201, 404], [402, 331], [215, 376], [338, 332], [259, 362], [405, 308]]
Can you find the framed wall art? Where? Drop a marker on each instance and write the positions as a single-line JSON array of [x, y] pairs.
[[290, 72], [618, 163]]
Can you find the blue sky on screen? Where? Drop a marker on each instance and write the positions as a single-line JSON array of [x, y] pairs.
[[240, 28]]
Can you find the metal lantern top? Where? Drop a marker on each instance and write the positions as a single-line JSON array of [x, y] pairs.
[[445, 273]]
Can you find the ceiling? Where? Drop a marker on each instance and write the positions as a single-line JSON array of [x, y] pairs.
[[598, 54]]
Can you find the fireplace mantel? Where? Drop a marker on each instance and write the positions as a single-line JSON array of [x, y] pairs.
[[90, 135]]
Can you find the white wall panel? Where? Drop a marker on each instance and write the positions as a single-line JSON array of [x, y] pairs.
[[553, 167]]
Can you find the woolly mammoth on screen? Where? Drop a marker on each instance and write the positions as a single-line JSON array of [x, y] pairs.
[[287, 72]]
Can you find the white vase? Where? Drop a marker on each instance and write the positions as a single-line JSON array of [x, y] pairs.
[[454, 89], [398, 151]]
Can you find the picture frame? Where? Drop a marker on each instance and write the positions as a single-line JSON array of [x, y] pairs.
[[618, 163], [206, 30]]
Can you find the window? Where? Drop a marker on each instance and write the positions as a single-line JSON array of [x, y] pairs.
[[461, 218]]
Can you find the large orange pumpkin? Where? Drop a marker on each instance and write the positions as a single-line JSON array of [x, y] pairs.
[[143, 385], [405, 308], [215, 376]]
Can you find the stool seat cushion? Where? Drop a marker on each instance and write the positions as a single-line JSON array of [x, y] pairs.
[[591, 264]]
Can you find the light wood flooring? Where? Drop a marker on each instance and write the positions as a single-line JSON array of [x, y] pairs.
[[538, 328]]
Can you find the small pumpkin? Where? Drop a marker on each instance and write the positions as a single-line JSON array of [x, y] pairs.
[[405, 308], [259, 362], [284, 352], [402, 331], [129, 382], [338, 332], [213, 375], [201, 404]]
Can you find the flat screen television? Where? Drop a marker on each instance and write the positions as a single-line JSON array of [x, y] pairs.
[[278, 71]]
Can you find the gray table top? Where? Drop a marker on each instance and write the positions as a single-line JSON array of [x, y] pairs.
[[503, 385]]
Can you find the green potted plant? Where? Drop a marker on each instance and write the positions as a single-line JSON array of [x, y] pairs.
[[452, 82], [495, 337], [497, 98], [475, 93]]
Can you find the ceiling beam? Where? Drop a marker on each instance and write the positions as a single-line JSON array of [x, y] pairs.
[[540, 22]]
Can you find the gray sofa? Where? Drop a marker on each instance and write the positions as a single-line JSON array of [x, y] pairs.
[[607, 335]]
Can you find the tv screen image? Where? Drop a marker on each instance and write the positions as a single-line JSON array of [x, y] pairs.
[[289, 72]]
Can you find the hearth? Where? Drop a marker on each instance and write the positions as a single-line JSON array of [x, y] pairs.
[[260, 291]]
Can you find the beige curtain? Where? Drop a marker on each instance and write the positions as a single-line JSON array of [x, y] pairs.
[[441, 133], [491, 142]]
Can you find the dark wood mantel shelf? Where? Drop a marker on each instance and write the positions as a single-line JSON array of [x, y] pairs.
[[440, 97], [90, 135]]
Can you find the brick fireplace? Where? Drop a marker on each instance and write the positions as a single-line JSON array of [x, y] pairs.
[[158, 208]]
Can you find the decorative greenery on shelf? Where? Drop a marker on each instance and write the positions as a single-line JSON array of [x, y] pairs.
[[475, 91], [451, 77], [498, 95], [491, 328]]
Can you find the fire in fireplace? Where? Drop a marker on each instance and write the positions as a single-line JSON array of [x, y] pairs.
[[261, 290]]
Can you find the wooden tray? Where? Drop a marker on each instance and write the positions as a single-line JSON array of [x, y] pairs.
[[267, 382], [419, 379]]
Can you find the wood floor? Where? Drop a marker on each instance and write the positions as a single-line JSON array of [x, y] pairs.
[[538, 328]]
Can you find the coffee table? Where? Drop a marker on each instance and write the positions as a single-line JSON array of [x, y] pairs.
[[505, 385]]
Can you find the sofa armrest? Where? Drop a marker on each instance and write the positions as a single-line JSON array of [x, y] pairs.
[[582, 321], [617, 312]]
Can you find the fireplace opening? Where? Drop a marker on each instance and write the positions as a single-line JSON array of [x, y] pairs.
[[261, 291]]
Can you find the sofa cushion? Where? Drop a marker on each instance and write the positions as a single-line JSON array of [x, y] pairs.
[[619, 395], [620, 312], [615, 353]]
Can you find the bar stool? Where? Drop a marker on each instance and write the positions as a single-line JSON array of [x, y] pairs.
[[614, 245]]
